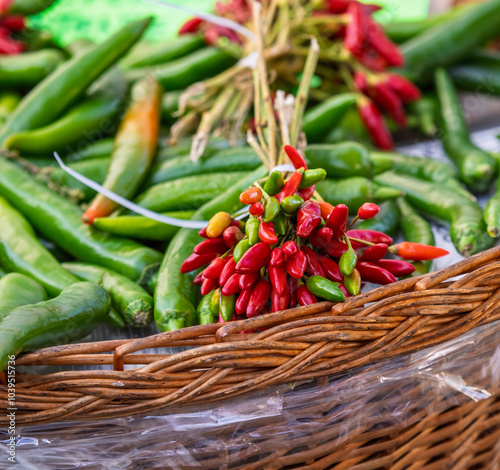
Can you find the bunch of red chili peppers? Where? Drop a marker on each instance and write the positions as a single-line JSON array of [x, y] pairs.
[[9, 26], [294, 250]]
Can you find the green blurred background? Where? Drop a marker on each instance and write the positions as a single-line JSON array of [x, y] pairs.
[[95, 19]]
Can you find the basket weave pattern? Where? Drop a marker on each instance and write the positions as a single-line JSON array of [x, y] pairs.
[[294, 345]]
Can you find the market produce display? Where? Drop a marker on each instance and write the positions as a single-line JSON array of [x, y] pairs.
[[271, 131]]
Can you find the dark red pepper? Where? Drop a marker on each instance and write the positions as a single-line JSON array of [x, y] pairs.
[[320, 238], [256, 209], [379, 40], [403, 87], [267, 233], [355, 39], [296, 267], [277, 258], [242, 301], [336, 249], [344, 291], [375, 124], [248, 280], [291, 186], [293, 285], [232, 286], [228, 271], [190, 26], [203, 232], [368, 210], [307, 193], [280, 302], [290, 249], [208, 286], [361, 81], [314, 267], [214, 269], [372, 273], [337, 220], [232, 236], [375, 252], [389, 101], [14, 23], [277, 276], [212, 245], [371, 236], [304, 297], [298, 161], [331, 268], [255, 258], [259, 297], [199, 279], [308, 218], [195, 261], [397, 267]]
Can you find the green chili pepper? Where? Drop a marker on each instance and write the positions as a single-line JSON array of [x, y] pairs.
[[252, 231], [352, 283], [244, 159], [386, 221], [291, 204], [8, 103], [54, 95], [114, 319], [174, 291], [322, 118], [448, 42], [169, 105], [77, 311], [187, 193], [271, 209], [208, 310], [354, 192], [348, 262], [324, 288], [343, 160], [416, 230], [139, 227], [468, 230], [240, 249], [60, 221], [145, 54], [274, 183], [17, 290], [279, 222], [99, 149], [78, 46], [28, 69], [476, 167], [129, 299], [27, 7], [227, 306], [20, 251], [190, 69], [312, 177], [492, 210], [426, 111]]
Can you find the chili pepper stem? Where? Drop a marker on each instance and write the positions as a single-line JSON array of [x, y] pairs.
[[364, 242], [353, 222]]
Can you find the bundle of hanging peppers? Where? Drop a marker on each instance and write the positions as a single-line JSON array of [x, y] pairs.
[[293, 250]]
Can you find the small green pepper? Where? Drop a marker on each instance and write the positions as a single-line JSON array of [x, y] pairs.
[[252, 231], [291, 204], [279, 222], [312, 177], [271, 209], [240, 249], [324, 288], [348, 262], [353, 282], [227, 306], [274, 183], [208, 310]]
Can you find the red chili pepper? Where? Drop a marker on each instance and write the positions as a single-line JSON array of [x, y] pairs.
[[304, 297], [371, 236], [248, 280], [372, 273], [277, 258], [203, 232], [235, 223], [307, 193], [9, 46], [255, 258], [355, 39], [298, 161], [337, 6], [259, 297], [308, 218], [208, 286], [337, 220], [232, 235], [375, 252], [293, 285], [320, 238], [228, 271], [213, 34], [344, 291], [251, 196], [277, 276], [14, 23], [291, 186], [397, 267], [214, 269], [361, 81], [336, 249], [256, 209], [379, 40], [199, 279], [314, 267], [267, 233], [232, 286], [331, 268], [190, 26], [242, 301], [375, 124], [280, 302], [403, 87], [212, 245], [372, 60], [195, 261], [326, 209], [389, 101], [418, 252], [296, 267], [290, 249], [368, 210]]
